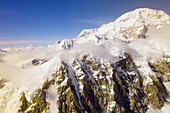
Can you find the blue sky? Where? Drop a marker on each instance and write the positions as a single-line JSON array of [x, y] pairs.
[[48, 20]]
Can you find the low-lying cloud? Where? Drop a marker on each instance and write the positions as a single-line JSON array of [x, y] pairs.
[[161, 36], [17, 43], [155, 45], [23, 42], [11, 65]]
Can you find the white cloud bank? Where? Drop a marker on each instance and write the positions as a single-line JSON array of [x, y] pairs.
[[17, 43], [23, 42], [156, 43]]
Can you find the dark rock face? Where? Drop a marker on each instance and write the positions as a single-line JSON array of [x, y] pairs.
[[102, 87], [162, 67], [38, 103], [38, 61], [2, 83]]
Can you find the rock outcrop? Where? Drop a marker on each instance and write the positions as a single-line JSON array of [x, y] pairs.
[[95, 86]]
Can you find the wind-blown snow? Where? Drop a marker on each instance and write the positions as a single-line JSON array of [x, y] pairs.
[[52, 98]]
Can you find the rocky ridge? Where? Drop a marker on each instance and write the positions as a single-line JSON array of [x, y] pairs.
[[88, 83], [100, 87]]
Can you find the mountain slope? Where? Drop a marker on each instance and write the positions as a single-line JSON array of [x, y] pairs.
[[80, 76], [131, 25]]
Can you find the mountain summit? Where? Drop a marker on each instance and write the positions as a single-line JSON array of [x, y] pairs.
[[131, 25], [104, 70]]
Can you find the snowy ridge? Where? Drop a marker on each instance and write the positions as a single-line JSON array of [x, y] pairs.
[[96, 72], [129, 26]]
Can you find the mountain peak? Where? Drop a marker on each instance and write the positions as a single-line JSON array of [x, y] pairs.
[[78, 75], [145, 14], [129, 26]]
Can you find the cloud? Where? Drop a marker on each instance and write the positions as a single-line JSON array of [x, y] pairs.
[[161, 36], [39, 41], [6, 12], [98, 20], [155, 45], [23, 43]]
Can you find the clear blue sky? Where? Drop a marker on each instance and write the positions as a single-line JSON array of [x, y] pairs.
[[60, 19]]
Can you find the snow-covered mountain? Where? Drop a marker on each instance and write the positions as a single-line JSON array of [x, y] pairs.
[[119, 67], [131, 25]]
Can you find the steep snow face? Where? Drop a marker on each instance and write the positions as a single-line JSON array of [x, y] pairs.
[[9, 97], [131, 25], [143, 16], [86, 33]]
